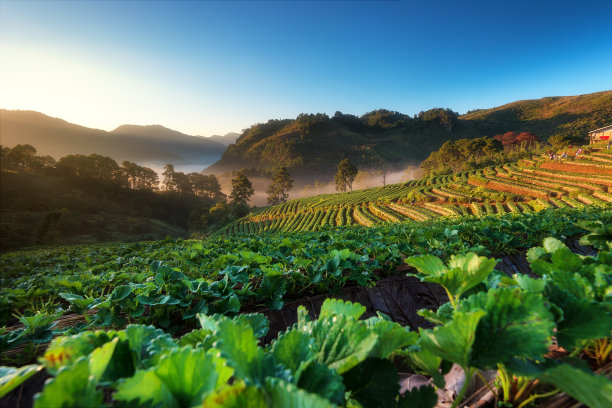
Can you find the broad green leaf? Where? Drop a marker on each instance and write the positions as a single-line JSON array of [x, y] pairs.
[[427, 264], [190, 374], [145, 341], [183, 378], [338, 307], [282, 394], [594, 391], [64, 351], [373, 383], [121, 292], [464, 271], [237, 395], [441, 316], [318, 379], [424, 361], [238, 345], [341, 342], [582, 319], [553, 244], [423, 397], [453, 341], [99, 359], [303, 318], [197, 338], [12, 377], [531, 284], [144, 387], [258, 322], [70, 388], [391, 337], [292, 348], [516, 324]]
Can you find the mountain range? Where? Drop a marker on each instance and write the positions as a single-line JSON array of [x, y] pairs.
[[311, 145], [148, 144]]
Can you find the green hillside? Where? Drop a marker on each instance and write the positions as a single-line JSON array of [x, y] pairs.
[[312, 145], [524, 187]]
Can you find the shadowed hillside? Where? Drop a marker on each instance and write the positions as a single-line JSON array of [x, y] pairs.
[[57, 138]]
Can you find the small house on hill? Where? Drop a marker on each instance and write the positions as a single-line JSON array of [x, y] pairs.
[[597, 135]]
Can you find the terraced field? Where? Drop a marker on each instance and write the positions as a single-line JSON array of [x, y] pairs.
[[523, 187]]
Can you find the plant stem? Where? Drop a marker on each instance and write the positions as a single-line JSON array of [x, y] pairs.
[[464, 388], [450, 297], [485, 382], [536, 396]]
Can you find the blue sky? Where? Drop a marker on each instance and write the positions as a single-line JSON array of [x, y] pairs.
[[210, 67]]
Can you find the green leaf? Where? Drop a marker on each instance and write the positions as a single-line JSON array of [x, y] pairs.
[[292, 348], [342, 342], [441, 316], [592, 390], [70, 388], [286, 395], [146, 341], [530, 284], [197, 338], [391, 337], [424, 361], [144, 387], [463, 273], [453, 341], [237, 395], [190, 374], [427, 264], [318, 379], [582, 319], [12, 377], [303, 318], [121, 292], [182, 378], [258, 322], [64, 351], [338, 307], [99, 359], [373, 383], [238, 345], [516, 324], [423, 397]]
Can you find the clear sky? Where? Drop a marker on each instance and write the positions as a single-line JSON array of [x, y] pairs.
[[210, 67]]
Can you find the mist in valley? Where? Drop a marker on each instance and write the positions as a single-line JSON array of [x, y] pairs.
[[303, 188]]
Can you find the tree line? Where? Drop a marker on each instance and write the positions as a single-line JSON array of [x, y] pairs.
[[106, 171]]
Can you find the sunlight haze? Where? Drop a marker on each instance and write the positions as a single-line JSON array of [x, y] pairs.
[[210, 67]]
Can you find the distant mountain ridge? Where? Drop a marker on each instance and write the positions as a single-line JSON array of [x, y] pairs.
[[227, 139], [314, 144], [154, 143]]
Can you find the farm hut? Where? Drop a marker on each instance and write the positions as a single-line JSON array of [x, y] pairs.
[[597, 135]]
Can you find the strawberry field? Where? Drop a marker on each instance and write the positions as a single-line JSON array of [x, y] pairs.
[[516, 188], [183, 316]]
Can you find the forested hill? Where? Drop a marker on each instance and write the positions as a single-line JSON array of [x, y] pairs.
[[313, 144], [57, 138]]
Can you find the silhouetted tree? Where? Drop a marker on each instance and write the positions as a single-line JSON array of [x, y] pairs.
[[169, 183], [345, 175], [206, 185], [140, 178], [94, 167], [280, 186], [242, 189]]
